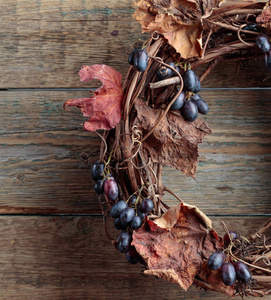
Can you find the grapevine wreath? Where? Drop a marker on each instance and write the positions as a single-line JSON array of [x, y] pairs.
[[152, 121]]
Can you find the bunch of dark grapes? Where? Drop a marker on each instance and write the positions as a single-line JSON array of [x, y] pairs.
[[104, 183], [128, 216], [230, 272], [189, 102]]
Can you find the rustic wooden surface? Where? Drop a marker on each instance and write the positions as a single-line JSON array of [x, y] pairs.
[[52, 242]]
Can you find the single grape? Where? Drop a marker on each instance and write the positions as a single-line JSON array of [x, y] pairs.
[[111, 188], [117, 209], [124, 242], [216, 260], [132, 256], [190, 111], [141, 60], [136, 222], [146, 205], [267, 60], [251, 27], [140, 213], [203, 107], [132, 201], [127, 215], [228, 274], [263, 43], [227, 239], [179, 102], [97, 170], [191, 81], [117, 224], [164, 72], [99, 187], [242, 272]]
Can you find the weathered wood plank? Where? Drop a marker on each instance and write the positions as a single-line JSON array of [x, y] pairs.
[[41, 145], [70, 258], [44, 44]]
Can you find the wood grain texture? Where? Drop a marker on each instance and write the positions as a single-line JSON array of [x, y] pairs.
[[41, 146], [44, 44], [70, 258]]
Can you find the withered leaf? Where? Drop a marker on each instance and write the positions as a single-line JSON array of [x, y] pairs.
[[174, 142], [180, 21], [175, 245], [104, 108]]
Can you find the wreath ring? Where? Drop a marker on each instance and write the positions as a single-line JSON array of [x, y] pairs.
[[145, 131]]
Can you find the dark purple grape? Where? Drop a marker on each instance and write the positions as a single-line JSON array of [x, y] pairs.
[[251, 27], [227, 239], [140, 213], [117, 224], [97, 170], [146, 205], [191, 81], [141, 60], [216, 260], [267, 60], [242, 272], [190, 111], [135, 223], [127, 215], [111, 188], [203, 107], [124, 242], [228, 274], [262, 41], [179, 102], [99, 187], [132, 256], [117, 209], [164, 72], [132, 201]]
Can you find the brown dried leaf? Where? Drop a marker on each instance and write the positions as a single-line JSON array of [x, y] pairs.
[[180, 21], [175, 245], [174, 142]]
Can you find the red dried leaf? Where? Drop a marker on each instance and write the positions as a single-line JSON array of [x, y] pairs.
[[175, 245], [104, 108], [180, 21], [174, 142]]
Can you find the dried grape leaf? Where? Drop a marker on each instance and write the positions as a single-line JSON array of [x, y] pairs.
[[174, 142], [175, 245], [104, 108], [180, 21]]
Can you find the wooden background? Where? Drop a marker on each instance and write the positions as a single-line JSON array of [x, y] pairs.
[[52, 242]]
